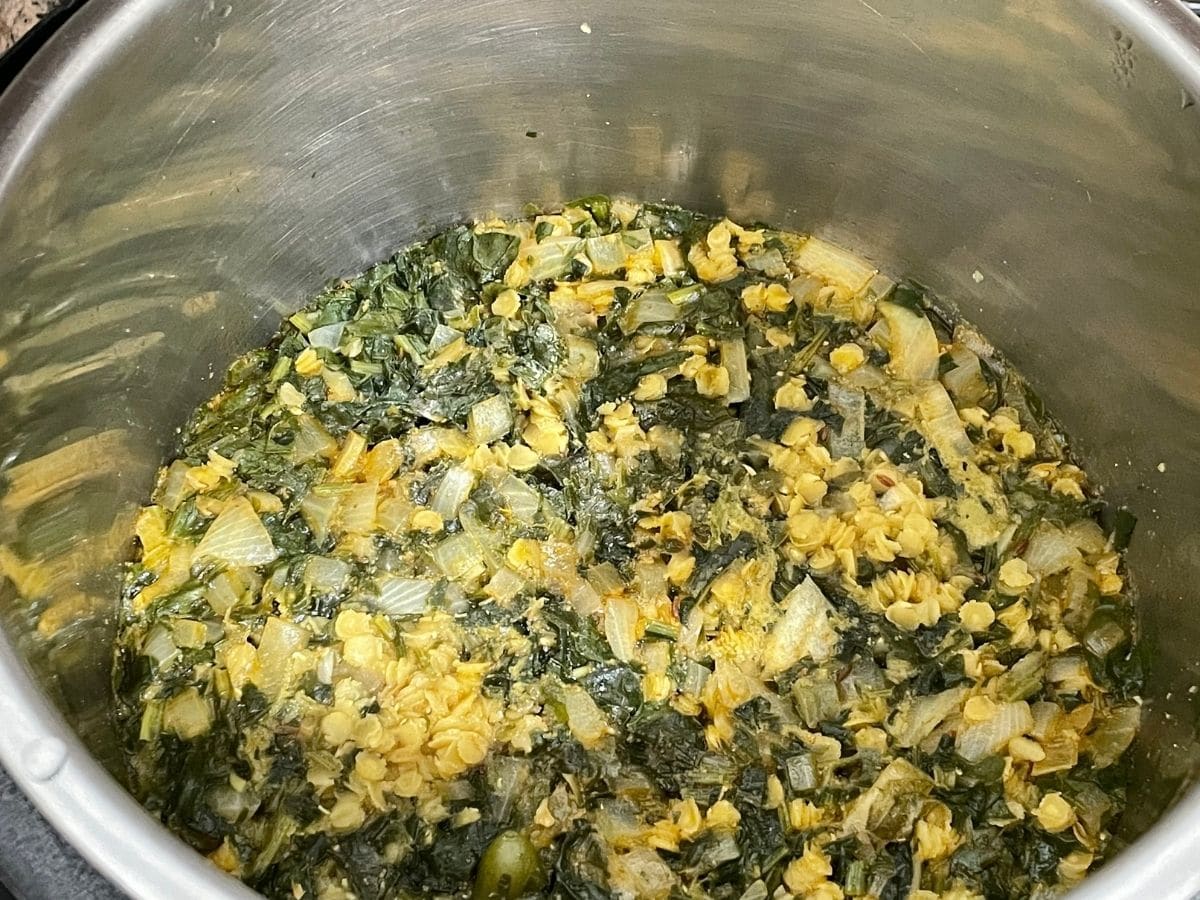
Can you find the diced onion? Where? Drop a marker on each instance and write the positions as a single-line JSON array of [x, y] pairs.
[[733, 358], [357, 512], [583, 598], [452, 492], [443, 336], [505, 585], [912, 343], [620, 627], [605, 579], [459, 557], [607, 253], [311, 441], [327, 337], [326, 574], [637, 239], [769, 262], [551, 258], [174, 485], [901, 782], [804, 630], [491, 543], [318, 509], [987, 738], [1087, 536], [187, 714], [965, 381], [454, 599], [694, 678], [840, 267], [326, 666], [403, 596], [652, 306], [942, 427], [237, 537], [232, 806], [280, 639], [851, 405], [586, 720], [521, 500], [1050, 550], [190, 633], [912, 724], [583, 359], [159, 645], [489, 420], [1112, 737]]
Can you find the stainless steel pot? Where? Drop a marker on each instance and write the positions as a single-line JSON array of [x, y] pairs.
[[174, 173]]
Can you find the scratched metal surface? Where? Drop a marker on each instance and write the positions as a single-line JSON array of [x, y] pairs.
[[176, 174]]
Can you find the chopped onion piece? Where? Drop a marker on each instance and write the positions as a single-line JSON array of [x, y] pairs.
[[326, 666], [851, 405], [898, 790], [916, 721], [280, 639], [1087, 536], [237, 537], [452, 492], [694, 678], [327, 575], [159, 645], [174, 487], [318, 508], [522, 500], [965, 381], [586, 720], [637, 239], [839, 267], [327, 337], [988, 738], [460, 557], [652, 306], [356, 514], [1112, 737], [443, 336], [505, 585], [769, 262], [551, 258], [583, 598], [583, 359], [733, 358], [607, 253], [490, 419], [942, 427], [1050, 550], [190, 634], [912, 343], [605, 578], [403, 596], [311, 441], [424, 445], [804, 630], [620, 627], [187, 714], [491, 543]]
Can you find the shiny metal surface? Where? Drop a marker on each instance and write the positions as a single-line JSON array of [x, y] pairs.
[[175, 173]]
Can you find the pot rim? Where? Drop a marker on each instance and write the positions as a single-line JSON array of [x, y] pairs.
[[104, 823]]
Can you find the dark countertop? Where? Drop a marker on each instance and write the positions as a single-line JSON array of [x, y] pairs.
[[35, 863]]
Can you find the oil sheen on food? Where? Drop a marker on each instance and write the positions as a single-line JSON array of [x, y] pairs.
[[622, 551]]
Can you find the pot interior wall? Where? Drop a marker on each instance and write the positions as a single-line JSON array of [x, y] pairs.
[[196, 169]]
